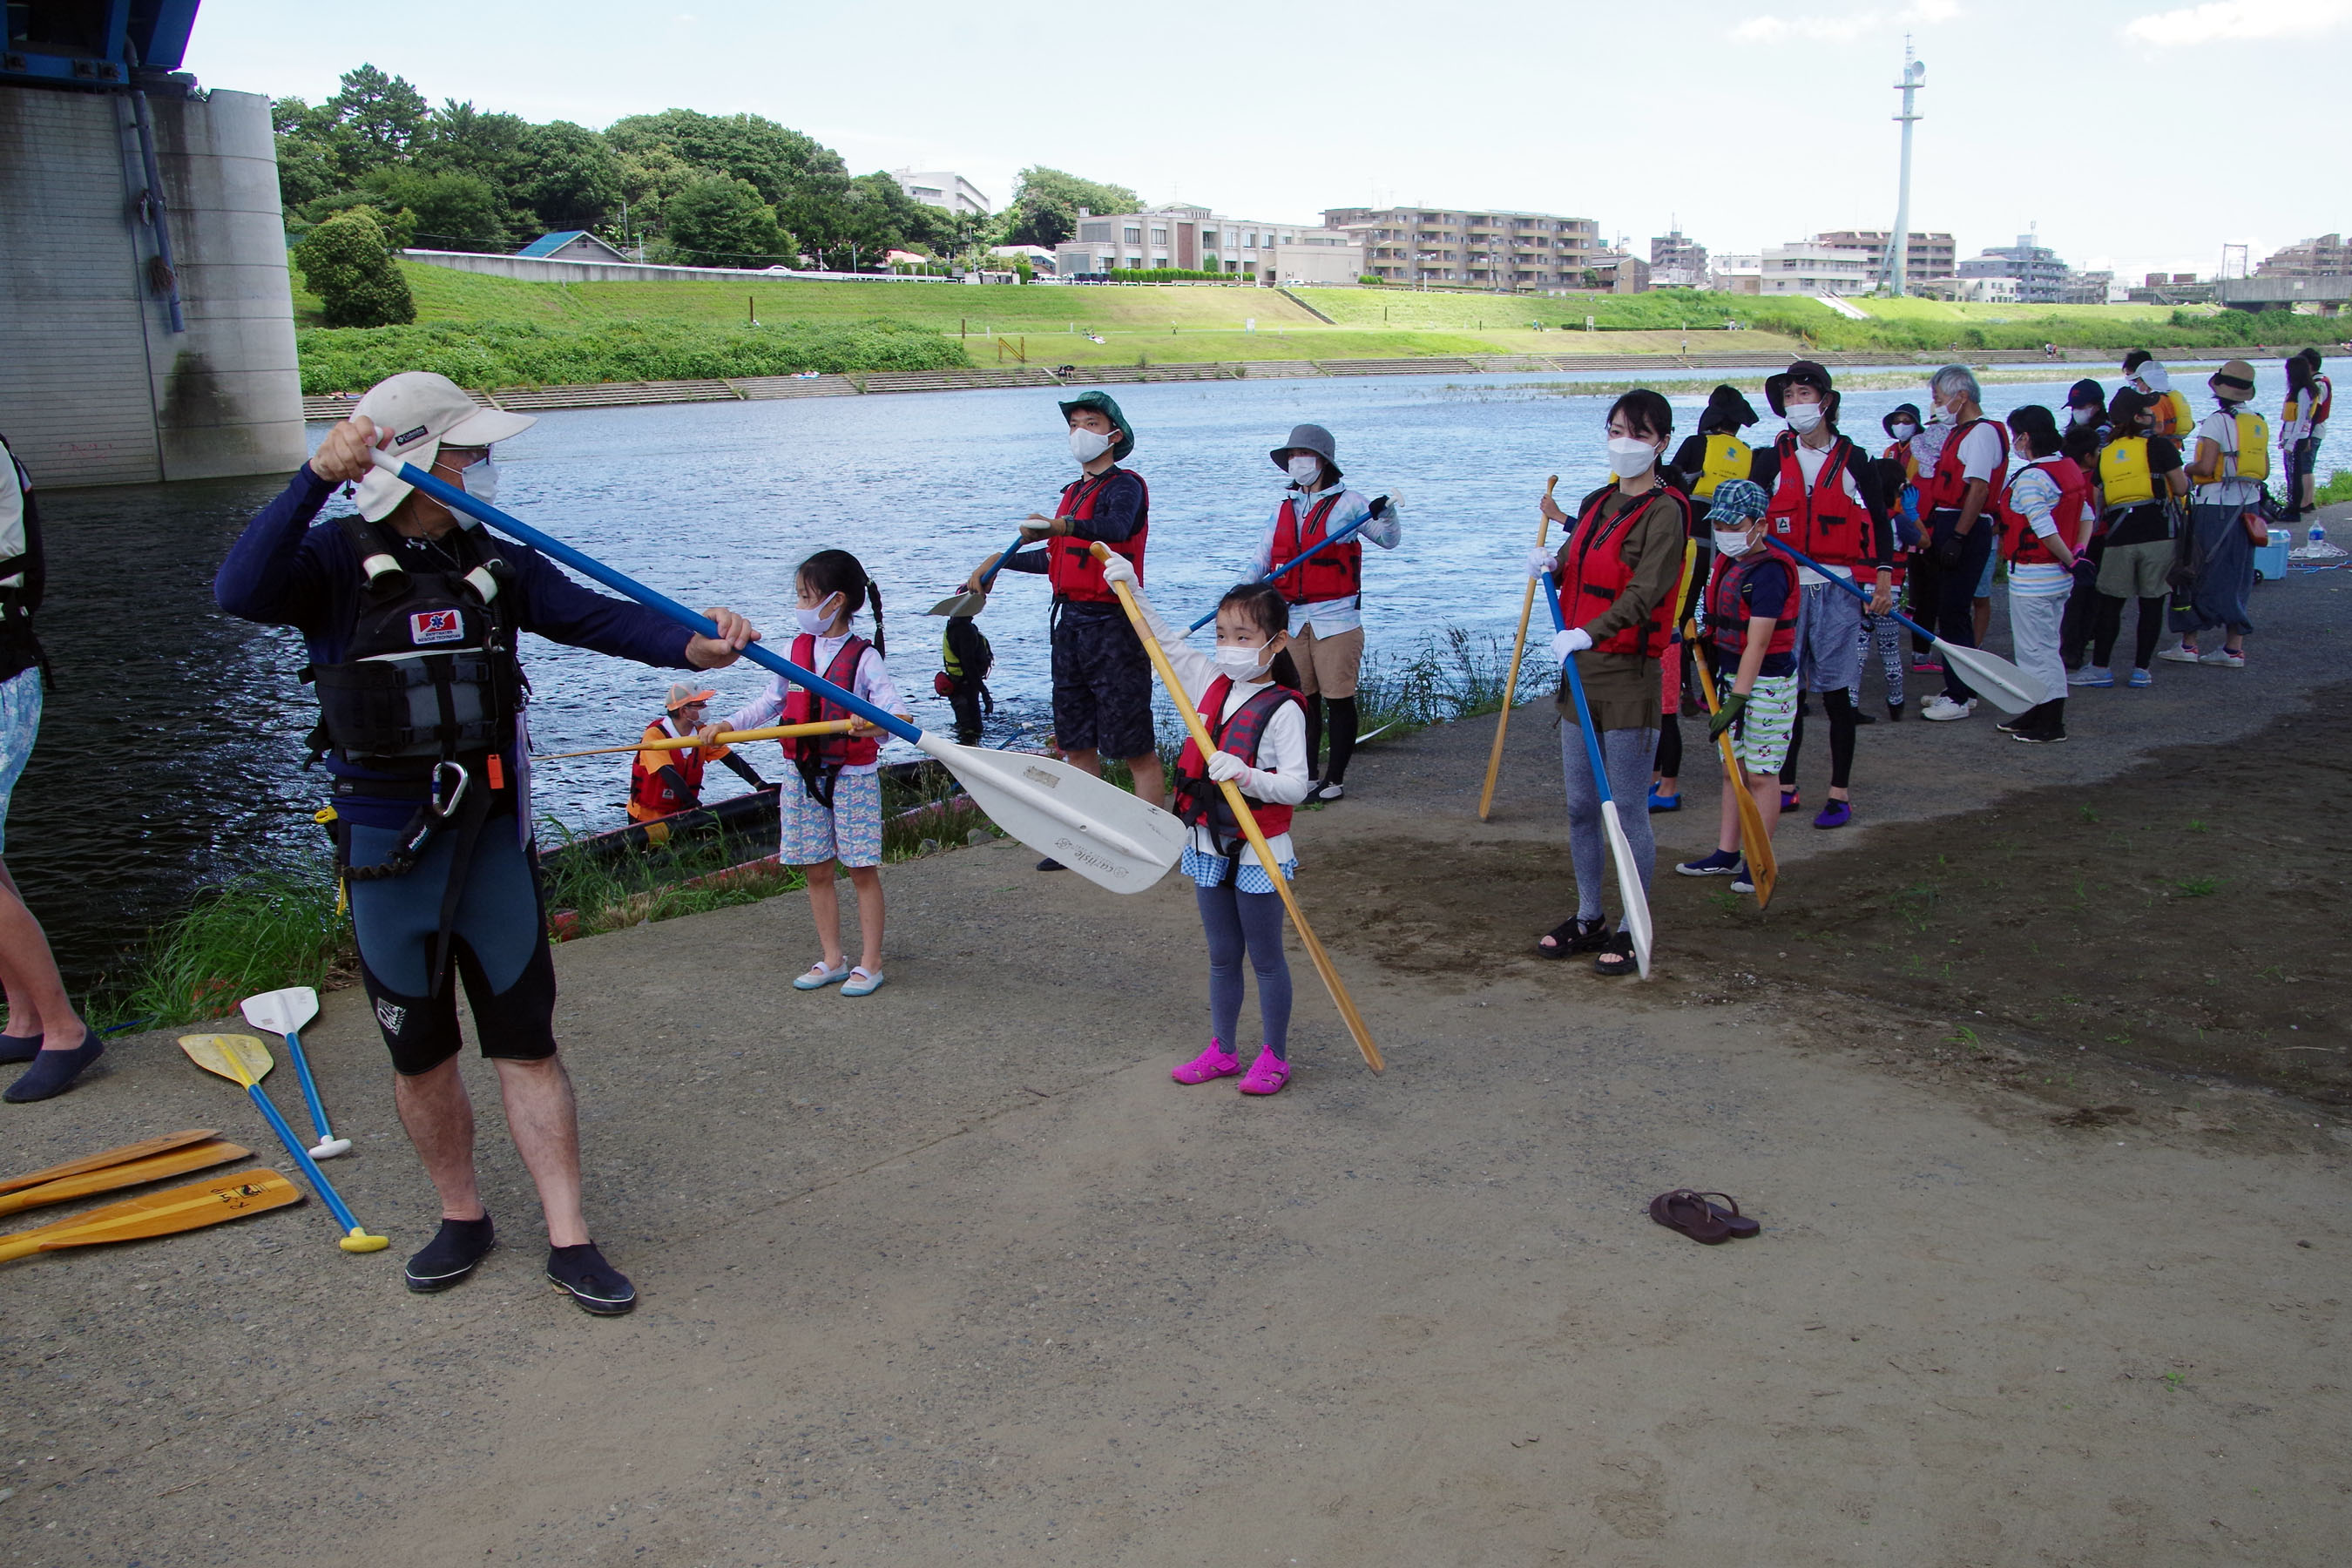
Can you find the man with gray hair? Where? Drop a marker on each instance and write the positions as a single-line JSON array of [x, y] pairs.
[[1953, 498]]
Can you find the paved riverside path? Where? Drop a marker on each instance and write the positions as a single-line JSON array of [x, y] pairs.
[[955, 1274]]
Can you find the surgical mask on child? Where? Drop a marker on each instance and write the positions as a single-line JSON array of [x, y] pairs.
[[1241, 663], [1086, 446], [1731, 543], [2080, 415], [1307, 473], [815, 622], [1629, 458], [480, 480], [1903, 429], [1804, 417]]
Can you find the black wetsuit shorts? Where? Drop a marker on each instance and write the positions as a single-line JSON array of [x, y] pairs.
[[1102, 683]]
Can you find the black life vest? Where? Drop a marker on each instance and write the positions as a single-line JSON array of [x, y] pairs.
[[429, 674], [24, 569], [1200, 803]]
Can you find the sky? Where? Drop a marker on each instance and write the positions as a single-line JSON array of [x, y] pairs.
[[2138, 134]]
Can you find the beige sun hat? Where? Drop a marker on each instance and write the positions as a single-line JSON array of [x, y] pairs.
[[423, 411]]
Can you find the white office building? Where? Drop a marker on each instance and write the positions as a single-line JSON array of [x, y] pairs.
[[943, 188], [1195, 240], [1810, 266]]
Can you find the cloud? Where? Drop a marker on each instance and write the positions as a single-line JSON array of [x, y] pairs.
[[1846, 28], [2233, 21]]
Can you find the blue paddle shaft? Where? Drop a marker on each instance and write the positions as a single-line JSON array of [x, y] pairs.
[[309, 1087], [1347, 533], [1850, 586], [1576, 690], [988, 580], [620, 583], [318, 1182]]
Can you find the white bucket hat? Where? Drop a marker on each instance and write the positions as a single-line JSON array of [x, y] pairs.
[[423, 410]]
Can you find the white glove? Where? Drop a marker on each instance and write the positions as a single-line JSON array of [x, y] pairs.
[[1539, 563], [1119, 569], [1576, 639], [1227, 768]]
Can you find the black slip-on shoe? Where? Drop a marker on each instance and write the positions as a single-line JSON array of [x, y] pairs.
[[455, 1251], [582, 1273]]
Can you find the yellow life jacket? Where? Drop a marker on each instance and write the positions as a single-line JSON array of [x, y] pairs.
[[1728, 457], [2173, 419], [2125, 477], [2252, 460]]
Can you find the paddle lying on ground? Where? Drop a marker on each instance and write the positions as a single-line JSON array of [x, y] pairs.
[[289, 1012], [1240, 808], [114, 1178], [166, 1213], [724, 737], [1763, 868], [243, 1059], [2003, 685], [1379, 505], [969, 602], [122, 1155], [1621, 851], [1511, 685], [1094, 829]]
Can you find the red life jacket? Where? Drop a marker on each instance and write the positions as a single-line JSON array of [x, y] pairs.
[[1199, 801], [1823, 523], [802, 706], [1728, 613], [1333, 574], [1075, 574], [1592, 577], [650, 795], [2019, 545], [2322, 397], [1946, 488]]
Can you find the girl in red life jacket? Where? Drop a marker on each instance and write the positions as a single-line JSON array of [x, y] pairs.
[[1247, 697], [831, 811], [1750, 638]]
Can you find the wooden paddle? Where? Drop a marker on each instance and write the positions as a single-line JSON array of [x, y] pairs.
[[123, 1155], [1240, 807], [166, 1213], [1511, 687], [725, 737], [113, 1178], [1755, 843]]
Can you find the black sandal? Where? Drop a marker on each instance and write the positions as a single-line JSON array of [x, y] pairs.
[[1617, 955], [1573, 935]]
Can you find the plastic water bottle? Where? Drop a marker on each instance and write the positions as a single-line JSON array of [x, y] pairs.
[[2315, 534]]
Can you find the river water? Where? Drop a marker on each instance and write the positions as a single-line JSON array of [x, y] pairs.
[[170, 752]]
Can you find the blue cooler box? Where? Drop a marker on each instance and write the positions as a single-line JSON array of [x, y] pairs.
[[2270, 560]]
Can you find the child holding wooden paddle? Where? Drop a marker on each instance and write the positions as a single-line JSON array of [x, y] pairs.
[[832, 814], [1750, 642], [1247, 697]]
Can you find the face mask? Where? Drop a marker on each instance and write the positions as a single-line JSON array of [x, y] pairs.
[[1804, 417], [1086, 446], [1241, 663], [1903, 429], [480, 480], [1305, 472], [2079, 417], [815, 622], [1729, 544], [1629, 458]]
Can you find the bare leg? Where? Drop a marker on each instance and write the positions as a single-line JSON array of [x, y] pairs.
[[824, 905], [440, 1122], [38, 1003], [867, 880], [1151, 779], [545, 1121], [1727, 838], [1766, 789], [1085, 761]]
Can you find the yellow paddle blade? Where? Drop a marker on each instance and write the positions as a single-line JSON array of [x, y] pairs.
[[240, 1058], [104, 1157], [165, 1213], [130, 1173]]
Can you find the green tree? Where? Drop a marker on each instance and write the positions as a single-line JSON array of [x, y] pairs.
[[377, 119], [567, 175], [720, 221], [448, 211], [1045, 203], [875, 215], [463, 140], [307, 169], [346, 262], [663, 154]]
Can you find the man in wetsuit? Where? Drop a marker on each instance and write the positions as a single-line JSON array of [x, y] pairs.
[[411, 616]]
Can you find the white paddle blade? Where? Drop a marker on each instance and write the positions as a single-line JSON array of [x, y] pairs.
[[282, 1012], [1994, 679], [1096, 829], [1629, 886], [966, 604]]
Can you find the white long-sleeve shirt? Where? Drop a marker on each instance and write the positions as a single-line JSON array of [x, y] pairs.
[[872, 683], [1329, 617], [1279, 776]]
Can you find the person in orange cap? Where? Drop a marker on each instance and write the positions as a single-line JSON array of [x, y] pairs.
[[668, 781]]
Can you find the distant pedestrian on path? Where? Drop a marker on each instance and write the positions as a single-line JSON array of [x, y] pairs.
[[2232, 460], [2323, 398], [1956, 494], [2084, 434], [2140, 485], [2294, 429]]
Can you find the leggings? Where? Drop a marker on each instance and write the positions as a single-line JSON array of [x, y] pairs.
[[1668, 763], [1839, 706], [1343, 737], [1626, 755], [1887, 633], [2110, 626], [1236, 921]]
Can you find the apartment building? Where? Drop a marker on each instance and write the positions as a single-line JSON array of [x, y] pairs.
[[1736, 274], [1476, 249], [1924, 254], [942, 188], [1810, 266], [1677, 261], [1198, 240], [2326, 256], [2041, 276]]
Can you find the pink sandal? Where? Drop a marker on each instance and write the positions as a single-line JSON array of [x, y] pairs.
[[1267, 1074], [1214, 1063]]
